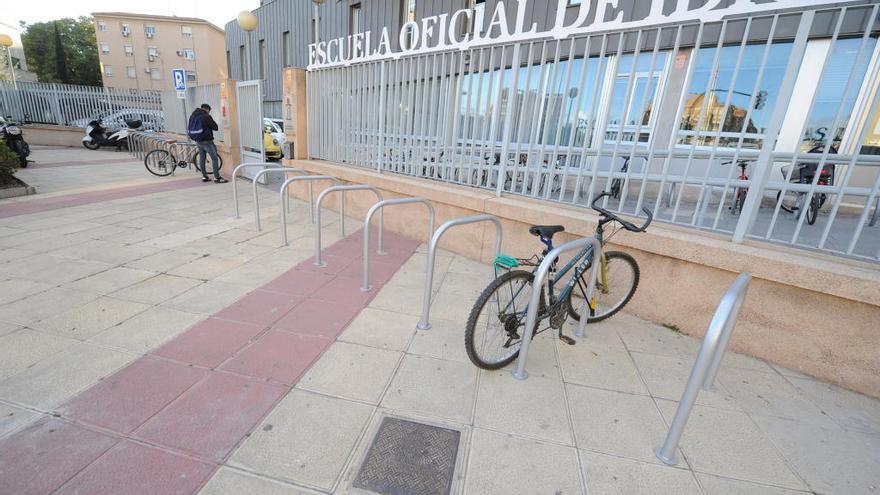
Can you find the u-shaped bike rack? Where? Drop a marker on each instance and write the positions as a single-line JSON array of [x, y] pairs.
[[235, 174], [707, 363], [538, 287], [284, 170], [342, 190], [283, 198], [424, 323], [378, 206]]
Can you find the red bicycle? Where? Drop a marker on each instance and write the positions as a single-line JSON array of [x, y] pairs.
[[739, 194]]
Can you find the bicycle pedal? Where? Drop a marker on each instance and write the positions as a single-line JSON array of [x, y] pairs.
[[568, 340]]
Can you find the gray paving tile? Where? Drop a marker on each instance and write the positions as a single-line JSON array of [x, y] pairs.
[[228, 481], [147, 330], [57, 378], [445, 340], [111, 280], [608, 474], [44, 305], [597, 366], [769, 393], [17, 288], [727, 443], [616, 423], [157, 289], [502, 464], [307, 439], [433, 387], [92, 318], [13, 418], [207, 298], [382, 329], [352, 371], [666, 377], [849, 409], [23, 348], [533, 408], [830, 459], [716, 485]]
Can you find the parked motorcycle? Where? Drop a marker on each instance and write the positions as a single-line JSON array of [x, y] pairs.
[[14, 138], [98, 136]]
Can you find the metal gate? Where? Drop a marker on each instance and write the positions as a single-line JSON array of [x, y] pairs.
[[718, 126], [250, 123]]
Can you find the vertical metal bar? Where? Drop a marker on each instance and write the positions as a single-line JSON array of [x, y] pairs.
[[515, 63], [524, 107], [544, 118], [570, 151], [540, 118], [591, 123], [602, 128], [764, 165], [552, 161]]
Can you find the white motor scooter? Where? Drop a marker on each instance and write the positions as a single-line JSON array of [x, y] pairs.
[[97, 135]]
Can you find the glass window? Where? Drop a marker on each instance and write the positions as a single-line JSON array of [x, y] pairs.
[[191, 76], [241, 63], [355, 19], [188, 54], [129, 50], [633, 97], [871, 145], [150, 31], [829, 99], [735, 103], [285, 49], [108, 70], [408, 14], [152, 51], [155, 74], [131, 72], [262, 59], [186, 31], [102, 26], [126, 29], [105, 47]]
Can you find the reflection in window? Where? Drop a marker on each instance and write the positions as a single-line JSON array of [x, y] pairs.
[[750, 104], [633, 97], [844, 60]]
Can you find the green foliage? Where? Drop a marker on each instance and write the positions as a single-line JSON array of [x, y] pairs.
[[63, 51], [672, 326], [8, 163]]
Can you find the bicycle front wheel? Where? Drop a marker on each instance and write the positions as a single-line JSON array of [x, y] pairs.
[[613, 289], [160, 162], [494, 330]]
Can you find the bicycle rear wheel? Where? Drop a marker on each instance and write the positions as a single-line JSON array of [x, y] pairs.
[[621, 281], [493, 334], [160, 162]]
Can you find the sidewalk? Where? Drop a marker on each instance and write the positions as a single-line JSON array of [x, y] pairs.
[[152, 344]]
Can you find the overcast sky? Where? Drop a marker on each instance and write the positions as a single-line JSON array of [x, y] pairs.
[[218, 12]]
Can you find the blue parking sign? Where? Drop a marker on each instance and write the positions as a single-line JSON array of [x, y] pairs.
[[179, 79]]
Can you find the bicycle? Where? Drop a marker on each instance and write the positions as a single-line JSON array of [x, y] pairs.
[[163, 162], [804, 173], [617, 182], [739, 193], [503, 317]]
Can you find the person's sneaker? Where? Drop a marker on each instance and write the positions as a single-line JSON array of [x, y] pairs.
[[221, 180], [205, 179]]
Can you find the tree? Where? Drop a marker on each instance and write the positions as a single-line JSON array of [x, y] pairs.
[[64, 51]]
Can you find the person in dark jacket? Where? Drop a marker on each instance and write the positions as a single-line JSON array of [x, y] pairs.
[[206, 142]]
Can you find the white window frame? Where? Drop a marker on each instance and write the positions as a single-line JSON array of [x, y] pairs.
[[155, 74], [186, 31], [188, 53], [108, 71], [105, 47], [128, 50], [608, 84], [102, 26], [150, 31], [131, 72]]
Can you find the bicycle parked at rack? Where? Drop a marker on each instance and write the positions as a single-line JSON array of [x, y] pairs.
[[804, 173], [494, 330], [164, 162], [739, 193], [617, 183]]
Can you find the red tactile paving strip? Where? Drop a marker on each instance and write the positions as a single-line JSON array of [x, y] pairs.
[[77, 199], [165, 422]]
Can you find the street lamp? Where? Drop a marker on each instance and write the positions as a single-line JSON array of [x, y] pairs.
[[317, 3], [6, 41], [247, 21]]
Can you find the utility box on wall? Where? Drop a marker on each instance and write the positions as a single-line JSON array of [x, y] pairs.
[[295, 113]]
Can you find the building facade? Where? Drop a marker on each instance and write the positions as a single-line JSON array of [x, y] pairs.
[[140, 51]]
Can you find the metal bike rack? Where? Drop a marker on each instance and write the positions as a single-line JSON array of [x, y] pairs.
[[235, 174], [284, 199], [424, 323], [342, 189], [538, 286], [707, 363], [378, 206], [261, 173]]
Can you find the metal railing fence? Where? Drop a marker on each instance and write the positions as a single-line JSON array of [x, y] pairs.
[[75, 105], [658, 116], [177, 110]]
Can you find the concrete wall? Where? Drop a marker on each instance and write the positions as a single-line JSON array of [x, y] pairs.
[[53, 135], [813, 314]]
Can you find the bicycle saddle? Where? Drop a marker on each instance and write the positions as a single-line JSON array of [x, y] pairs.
[[545, 231]]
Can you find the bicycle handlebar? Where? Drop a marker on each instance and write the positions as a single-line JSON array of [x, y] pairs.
[[626, 224]]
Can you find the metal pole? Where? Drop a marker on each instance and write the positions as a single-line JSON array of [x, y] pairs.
[[424, 323], [342, 189], [260, 174], [706, 365], [378, 206], [283, 193], [11, 69], [538, 286]]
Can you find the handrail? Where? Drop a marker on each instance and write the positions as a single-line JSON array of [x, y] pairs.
[[232, 179], [283, 170], [378, 206], [707, 363], [283, 198], [342, 189], [538, 287], [424, 322]]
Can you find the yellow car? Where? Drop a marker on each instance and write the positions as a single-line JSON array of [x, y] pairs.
[[271, 145]]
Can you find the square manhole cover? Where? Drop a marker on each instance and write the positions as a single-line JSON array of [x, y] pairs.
[[409, 458]]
